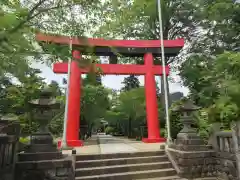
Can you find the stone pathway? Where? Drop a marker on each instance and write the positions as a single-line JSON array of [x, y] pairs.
[[91, 146], [109, 144], [106, 144]]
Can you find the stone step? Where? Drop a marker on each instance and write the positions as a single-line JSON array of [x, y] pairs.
[[120, 161], [179, 178], [39, 156], [165, 178], [119, 155], [45, 164], [132, 175], [121, 168]]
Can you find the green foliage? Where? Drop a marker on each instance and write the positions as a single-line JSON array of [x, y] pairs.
[[55, 89], [18, 49], [139, 20], [56, 124], [128, 112], [24, 140], [132, 103], [175, 123], [202, 124], [113, 116], [109, 130], [211, 74], [214, 84], [130, 82], [92, 78], [162, 132], [94, 102], [225, 15]]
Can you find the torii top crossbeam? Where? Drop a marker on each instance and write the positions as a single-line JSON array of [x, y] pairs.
[[102, 47]]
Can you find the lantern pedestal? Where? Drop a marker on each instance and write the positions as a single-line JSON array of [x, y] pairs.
[[41, 142], [71, 143]]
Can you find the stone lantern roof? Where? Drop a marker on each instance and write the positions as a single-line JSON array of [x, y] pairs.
[[187, 106], [45, 100]]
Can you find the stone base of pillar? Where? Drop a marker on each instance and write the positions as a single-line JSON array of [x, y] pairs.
[[155, 140], [71, 143]]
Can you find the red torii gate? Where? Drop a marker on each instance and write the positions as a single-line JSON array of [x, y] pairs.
[[147, 48]]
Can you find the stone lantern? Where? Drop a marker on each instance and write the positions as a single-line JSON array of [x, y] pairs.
[[192, 156], [187, 138], [43, 111], [186, 110], [41, 159]]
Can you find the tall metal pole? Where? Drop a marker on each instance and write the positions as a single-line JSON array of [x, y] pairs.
[[64, 138], [169, 139]]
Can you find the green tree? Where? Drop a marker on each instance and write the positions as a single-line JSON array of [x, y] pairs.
[[222, 18], [55, 89], [94, 104], [214, 84], [130, 82], [92, 78], [19, 95], [210, 73], [132, 104], [20, 20], [197, 74]]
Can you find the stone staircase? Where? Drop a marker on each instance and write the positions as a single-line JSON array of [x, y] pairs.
[[125, 166]]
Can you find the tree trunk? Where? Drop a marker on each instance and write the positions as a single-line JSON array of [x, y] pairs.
[[125, 125], [90, 130], [129, 127]]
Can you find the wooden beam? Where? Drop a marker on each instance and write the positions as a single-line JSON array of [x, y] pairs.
[[119, 69], [109, 43]]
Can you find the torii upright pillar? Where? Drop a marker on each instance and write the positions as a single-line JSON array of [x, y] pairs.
[[149, 70], [74, 97], [151, 102]]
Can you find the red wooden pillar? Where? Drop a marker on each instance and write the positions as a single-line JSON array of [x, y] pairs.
[[74, 95], [73, 120], [151, 102]]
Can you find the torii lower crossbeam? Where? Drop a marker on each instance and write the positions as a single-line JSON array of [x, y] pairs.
[[118, 69], [149, 70]]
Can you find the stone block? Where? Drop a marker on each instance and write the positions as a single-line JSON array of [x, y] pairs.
[[41, 148], [39, 156], [184, 147], [55, 169], [193, 164], [62, 171]]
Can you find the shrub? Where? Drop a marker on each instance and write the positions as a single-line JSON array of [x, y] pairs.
[[162, 132], [109, 130], [24, 140]]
